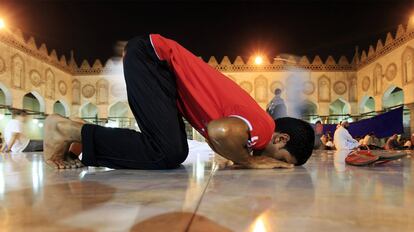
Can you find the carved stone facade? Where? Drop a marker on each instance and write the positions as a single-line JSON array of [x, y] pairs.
[[50, 84], [102, 92], [2, 65], [17, 71], [27, 67]]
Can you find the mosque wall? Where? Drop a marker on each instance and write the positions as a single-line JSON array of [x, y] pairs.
[[318, 87], [330, 86], [386, 68], [377, 78]]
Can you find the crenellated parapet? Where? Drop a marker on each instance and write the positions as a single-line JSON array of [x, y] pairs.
[[392, 41], [16, 39], [281, 64]]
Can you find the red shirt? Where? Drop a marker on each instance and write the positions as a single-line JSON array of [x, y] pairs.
[[205, 94]]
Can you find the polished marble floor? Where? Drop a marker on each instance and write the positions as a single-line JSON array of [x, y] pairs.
[[203, 195]]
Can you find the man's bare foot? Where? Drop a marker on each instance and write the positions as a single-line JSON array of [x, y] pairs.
[[59, 133]]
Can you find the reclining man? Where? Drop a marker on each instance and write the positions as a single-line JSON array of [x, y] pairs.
[[166, 82]]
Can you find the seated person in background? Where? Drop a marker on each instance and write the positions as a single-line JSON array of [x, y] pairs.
[[328, 134], [14, 134], [324, 140], [367, 140], [407, 144], [342, 139], [327, 142], [371, 141], [318, 134], [376, 141], [330, 145], [392, 143]]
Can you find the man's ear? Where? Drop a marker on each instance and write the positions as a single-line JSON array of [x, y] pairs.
[[281, 138]]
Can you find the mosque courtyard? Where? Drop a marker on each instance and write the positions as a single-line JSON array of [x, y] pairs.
[[204, 195], [326, 62]]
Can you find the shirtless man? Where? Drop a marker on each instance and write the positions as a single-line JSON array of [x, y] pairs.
[[166, 82]]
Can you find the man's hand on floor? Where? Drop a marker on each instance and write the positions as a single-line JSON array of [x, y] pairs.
[[265, 162]]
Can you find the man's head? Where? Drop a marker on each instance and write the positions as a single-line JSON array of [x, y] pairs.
[[278, 92], [20, 115], [345, 124], [292, 141]]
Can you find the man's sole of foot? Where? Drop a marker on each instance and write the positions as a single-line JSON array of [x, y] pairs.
[[55, 145]]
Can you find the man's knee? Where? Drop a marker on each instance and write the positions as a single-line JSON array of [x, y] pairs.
[[177, 151]]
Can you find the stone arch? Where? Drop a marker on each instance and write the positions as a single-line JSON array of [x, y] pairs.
[[393, 96], [102, 92], [407, 65], [340, 107], [8, 98], [118, 109], [89, 111], [61, 107], [33, 101], [367, 104], [118, 115], [260, 89], [324, 89], [309, 111], [377, 79], [17, 72]]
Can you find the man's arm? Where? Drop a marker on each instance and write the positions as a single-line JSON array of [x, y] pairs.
[[228, 137]]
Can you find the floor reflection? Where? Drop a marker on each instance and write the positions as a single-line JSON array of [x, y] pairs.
[[32, 207], [339, 160], [205, 195]]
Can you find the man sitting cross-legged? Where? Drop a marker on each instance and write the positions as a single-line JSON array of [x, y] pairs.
[[166, 82]]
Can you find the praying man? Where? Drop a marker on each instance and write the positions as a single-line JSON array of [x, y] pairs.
[[166, 83]]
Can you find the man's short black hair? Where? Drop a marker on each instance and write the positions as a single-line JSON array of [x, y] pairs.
[[302, 137]]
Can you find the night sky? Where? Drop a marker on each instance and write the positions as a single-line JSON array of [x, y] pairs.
[[209, 27]]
